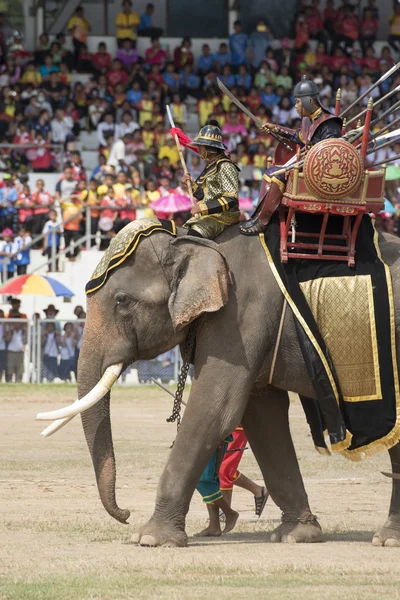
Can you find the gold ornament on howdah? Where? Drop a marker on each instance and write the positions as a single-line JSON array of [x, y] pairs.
[[333, 169]]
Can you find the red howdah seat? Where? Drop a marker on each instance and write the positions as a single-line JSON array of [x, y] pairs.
[[335, 184]]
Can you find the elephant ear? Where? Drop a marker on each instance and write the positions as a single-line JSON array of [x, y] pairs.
[[200, 279]]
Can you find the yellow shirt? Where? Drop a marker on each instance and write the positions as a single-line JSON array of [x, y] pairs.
[[79, 28], [395, 25], [69, 209], [31, 77], [148, 138], [171, 153], [206, 107], [145, 111], [260, 160], [91, 199], [126, 25], [119, 190]]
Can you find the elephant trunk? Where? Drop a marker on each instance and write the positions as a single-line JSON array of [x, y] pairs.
[[97, 428]]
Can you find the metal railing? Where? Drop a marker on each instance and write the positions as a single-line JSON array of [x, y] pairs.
[[53, 359]]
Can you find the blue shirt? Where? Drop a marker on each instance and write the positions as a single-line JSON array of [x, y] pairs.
[[191, 80], [23, 257], [269, 99], [47, 229], [238, 46], [8, 196], [10, 249], [146, 21], [223, 59], [259, 42], [228, 80], [244, 81], [134, 96], [206, 62], [170, 80], [44, 70]]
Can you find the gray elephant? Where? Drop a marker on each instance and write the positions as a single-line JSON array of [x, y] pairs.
[[145, 308]]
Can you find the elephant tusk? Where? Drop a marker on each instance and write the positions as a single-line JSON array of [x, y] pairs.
[[105, 384], [58, 424]]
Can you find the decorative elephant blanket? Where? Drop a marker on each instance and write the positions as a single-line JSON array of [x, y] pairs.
[[125, 244], [346, 328]]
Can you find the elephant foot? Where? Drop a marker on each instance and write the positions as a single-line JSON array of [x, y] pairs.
[[297, 533], [388, 535], [156, 533]]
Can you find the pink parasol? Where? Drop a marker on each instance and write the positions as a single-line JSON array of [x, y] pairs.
[[171, 203], [245, 204]]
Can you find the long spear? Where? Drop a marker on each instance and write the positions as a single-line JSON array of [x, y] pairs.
[[376, 104], [181, 156], [360, 131], [385, 145], [384, 162], [369, 90]]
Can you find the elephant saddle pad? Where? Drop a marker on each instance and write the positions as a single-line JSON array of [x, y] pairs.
[[123, 245], [346, 328]]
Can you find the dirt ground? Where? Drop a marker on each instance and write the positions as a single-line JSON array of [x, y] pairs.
[[57, 542]]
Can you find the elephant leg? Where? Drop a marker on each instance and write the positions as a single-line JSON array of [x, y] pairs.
[[389, 533], [216, 405], [266, 424]]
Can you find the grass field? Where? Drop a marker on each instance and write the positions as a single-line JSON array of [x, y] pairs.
[[58, 543]]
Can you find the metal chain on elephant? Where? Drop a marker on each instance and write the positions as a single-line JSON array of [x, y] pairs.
[[187, 358]]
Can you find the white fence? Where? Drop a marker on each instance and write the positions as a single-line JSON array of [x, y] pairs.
[[47, 351]]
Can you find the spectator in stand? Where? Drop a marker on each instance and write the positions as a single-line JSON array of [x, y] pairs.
[[118, 154], [31, 75], [51, 238], [183, 54], [16, 340], [22, 244], [42, 202], [314, 22], [65, 187], [369, 30], [347, 29], [243, 78], [258, 44], [78, 170], [238, 42], [7, 249], [233, 131], [189, 83], [223, 57], [25, 204], [106, 127], [206, 60], [170, 151], [116, 74], [43, 48], [127, 125], [127, 55], [155, 55], [51, 342], [8, 198], [127, 24], [68, 343], [61, 128], [72, 216], [171, 78], [394, 37], [128, 202], [302, 35], [79, 27], [146, 28], [102, 59], [90, 197]]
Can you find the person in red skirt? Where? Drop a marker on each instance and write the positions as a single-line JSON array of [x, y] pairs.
[[230, 475]]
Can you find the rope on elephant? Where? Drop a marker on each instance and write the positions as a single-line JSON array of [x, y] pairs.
[[187, 359], [278, 341]]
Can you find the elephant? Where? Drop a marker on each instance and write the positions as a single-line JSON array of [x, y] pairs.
[[145, 308]]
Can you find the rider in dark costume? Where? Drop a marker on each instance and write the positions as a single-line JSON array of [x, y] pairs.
[[317, 124]]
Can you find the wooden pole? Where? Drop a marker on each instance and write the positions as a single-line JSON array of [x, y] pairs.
[[181, 156], [338, 99], [367, 124]]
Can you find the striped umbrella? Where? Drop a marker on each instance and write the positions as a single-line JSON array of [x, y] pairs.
[[35, 285]]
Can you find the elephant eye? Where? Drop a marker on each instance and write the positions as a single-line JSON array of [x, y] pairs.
[[122, 300]]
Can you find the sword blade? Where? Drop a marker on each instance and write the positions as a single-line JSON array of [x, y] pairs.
[[242, 107]]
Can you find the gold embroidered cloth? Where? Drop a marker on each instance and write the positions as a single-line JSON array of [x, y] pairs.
[[343, 308]]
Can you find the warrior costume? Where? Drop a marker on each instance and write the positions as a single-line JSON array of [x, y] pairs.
[[320, 125], [216, 188]]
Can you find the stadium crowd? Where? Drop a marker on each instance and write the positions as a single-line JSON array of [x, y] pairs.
[[123, 104]]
